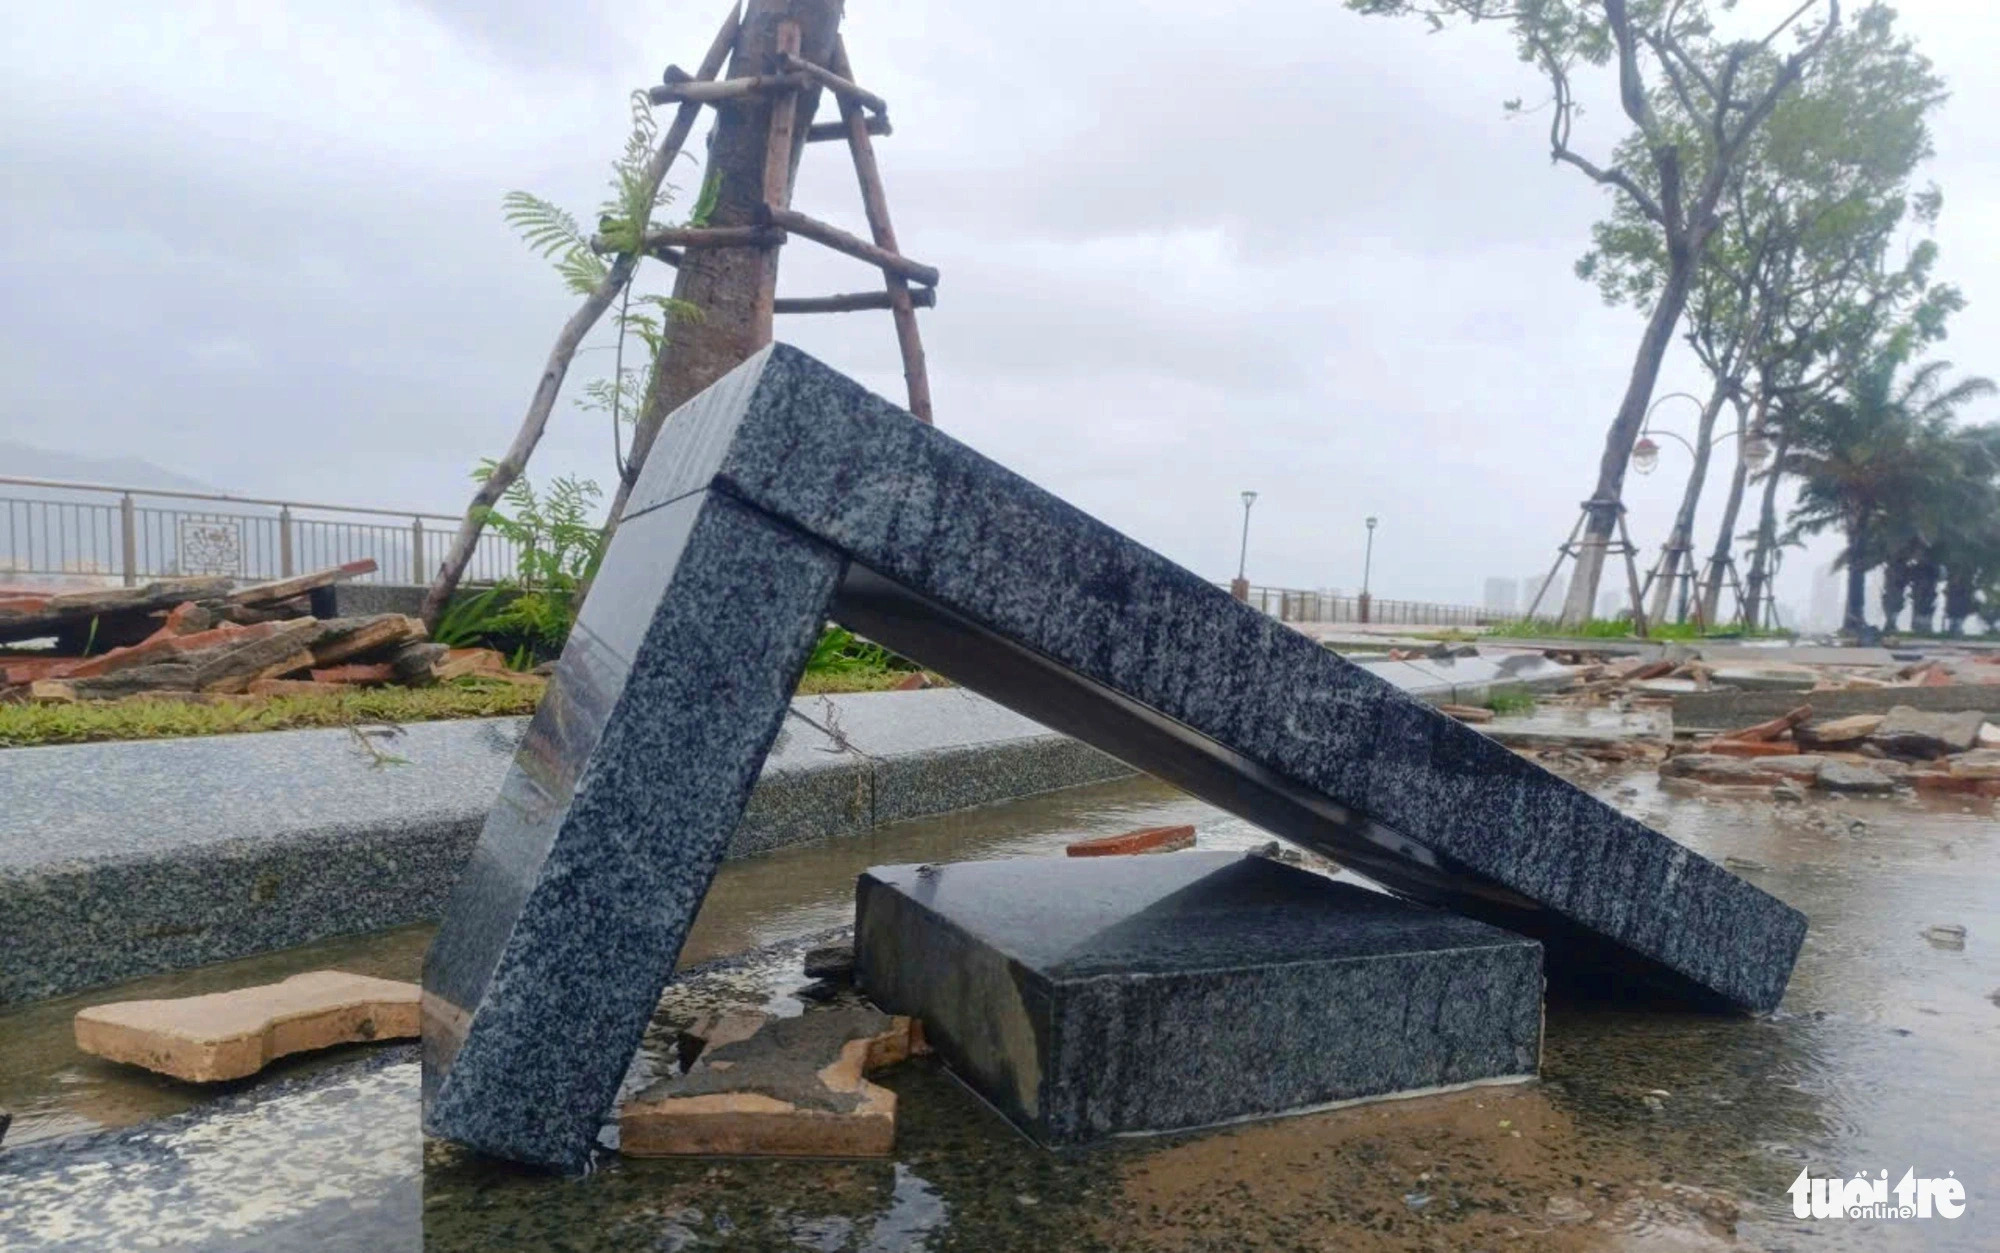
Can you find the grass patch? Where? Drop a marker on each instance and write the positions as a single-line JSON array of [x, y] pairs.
[[1621, 629], [152, 718], [155, 718], [1511, 701]]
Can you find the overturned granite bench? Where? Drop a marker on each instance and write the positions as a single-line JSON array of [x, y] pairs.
[[786, 494]]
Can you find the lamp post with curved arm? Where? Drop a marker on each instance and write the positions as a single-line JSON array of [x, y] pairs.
[[1678, 551]]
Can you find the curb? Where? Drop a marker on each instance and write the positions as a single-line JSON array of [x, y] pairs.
[[119, 860]]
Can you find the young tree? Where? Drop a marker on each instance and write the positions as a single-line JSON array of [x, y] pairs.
[[1725, 90], [1811, 212]]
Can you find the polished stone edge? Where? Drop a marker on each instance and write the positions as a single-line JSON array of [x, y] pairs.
[[70, 924], [1029, 1041]]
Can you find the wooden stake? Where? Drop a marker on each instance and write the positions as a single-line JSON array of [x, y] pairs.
[[822, 132], [875, 202], [568, 340], [839, 85], [713, 237], [794, 222], [777, 182], [922, 297], [698, 91]]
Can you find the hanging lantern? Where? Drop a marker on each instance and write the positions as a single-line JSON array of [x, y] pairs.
[[1756, 452], [1645, 455]]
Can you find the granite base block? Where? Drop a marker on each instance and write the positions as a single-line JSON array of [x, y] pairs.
[[1087, 999]]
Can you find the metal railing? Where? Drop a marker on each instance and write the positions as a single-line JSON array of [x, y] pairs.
[[138, 533], [1291, 605]]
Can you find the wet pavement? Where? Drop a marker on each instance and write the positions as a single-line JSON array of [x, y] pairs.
[[1648, 1131]]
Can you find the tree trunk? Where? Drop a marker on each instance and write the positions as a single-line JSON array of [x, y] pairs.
[[1604, 502], [1895, 581], [1856, 617], [1679, 549], [1924, 596], [1711, 594], [725, 283], [1764, 552]]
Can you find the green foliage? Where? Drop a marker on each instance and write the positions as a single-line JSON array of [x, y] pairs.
[[467, 620], [558, 546], [839, 651], [1621, 629], [1511, 700], [1911, 493]]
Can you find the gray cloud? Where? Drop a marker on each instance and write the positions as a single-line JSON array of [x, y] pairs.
[[1187, 249]]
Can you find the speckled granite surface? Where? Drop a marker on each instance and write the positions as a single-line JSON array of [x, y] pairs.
[[961, 564], [1143, 994], [122, 860], [786, 491]]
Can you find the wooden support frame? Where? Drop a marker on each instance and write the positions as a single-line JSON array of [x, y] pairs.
[[850, 302], [875, 203], [839, 85], [791, 221], [699, 91], [823, 132]]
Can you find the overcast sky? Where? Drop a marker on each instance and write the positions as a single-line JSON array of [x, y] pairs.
[[1187, 248]]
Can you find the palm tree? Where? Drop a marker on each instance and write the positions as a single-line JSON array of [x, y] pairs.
[[1884, 465]]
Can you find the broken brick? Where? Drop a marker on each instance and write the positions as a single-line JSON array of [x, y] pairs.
[[227, 1035], [1149, 840]]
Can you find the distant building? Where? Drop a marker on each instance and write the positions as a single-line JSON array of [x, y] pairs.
[[1829, 589], [1552, 600], [1611, 603], [1503, 596]]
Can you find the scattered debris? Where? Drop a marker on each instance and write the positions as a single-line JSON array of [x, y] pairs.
[[1786, 792], [200, 638], [831, 961], [1841, 776], [1946, 935], [792, 1087], [6, 1121], [1837, 732], [1467, 713], [227, 1035], [1914, 734], [1776, 728], [1149, 840]]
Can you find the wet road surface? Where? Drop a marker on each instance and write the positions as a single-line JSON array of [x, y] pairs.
[[1648, 1131]]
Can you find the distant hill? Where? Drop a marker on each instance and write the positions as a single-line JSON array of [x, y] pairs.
[[25, 461]]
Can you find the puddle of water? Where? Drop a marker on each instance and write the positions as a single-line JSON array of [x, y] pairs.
[[1649, 1131]]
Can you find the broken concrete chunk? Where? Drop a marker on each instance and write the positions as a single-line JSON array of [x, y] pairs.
[[1148, 840], [793, 1088], [830, 961], [1912, 733], [1836, 732], [1765, 732], [1980, 763], [227, 1035], [1841, 776], [1714, 768]]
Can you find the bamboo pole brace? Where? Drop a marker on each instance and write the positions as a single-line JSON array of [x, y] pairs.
[[793, 222], [875, 202], [838, 85], [851, 302], [697, 91], [713, 237], [822, 132]]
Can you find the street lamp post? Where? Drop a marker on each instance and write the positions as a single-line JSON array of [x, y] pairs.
[[1367, 566], [1755, 451], [1240, 587]]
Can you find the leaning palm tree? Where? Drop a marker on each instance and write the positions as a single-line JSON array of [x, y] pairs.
[[1881, 462]]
